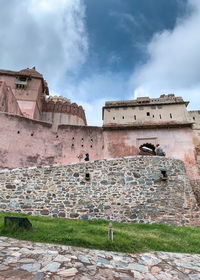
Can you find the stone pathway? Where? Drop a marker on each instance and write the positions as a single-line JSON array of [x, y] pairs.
[[37, 261]]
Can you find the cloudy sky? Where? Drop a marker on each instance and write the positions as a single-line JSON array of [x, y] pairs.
[[96, 50]]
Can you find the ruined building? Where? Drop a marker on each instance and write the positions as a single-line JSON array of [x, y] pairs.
[[37, 129]]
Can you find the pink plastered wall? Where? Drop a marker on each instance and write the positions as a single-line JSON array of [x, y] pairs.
[[8, 102], [25, 142]]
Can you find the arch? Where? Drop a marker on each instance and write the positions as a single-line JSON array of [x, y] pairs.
[[150, 149]]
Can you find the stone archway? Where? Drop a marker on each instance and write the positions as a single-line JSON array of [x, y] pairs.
[[147, 149]]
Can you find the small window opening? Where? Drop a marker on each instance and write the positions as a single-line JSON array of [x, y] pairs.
[[82, 145], [160, 116], [113, 118], [153, 116], [90, 146], [87, 176], [18, 132], [82, 139], [32, 134], [72, 145], [91, 140], [148, 114], [56, 136], [134, 117], [72, 138], [123, 117], [170, 116], [194, 118]]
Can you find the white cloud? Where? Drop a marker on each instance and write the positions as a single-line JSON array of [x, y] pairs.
[[174, 60], [93, 91], [49, 34]]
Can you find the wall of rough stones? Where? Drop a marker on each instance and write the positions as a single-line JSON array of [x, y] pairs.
[[126, 190]]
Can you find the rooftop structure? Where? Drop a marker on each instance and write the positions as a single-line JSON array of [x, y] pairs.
[[144, 111], [30, 93]]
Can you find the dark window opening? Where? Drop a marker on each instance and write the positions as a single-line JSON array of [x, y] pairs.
[[160, 117], [148, 114], [113, 118], [82, 139], [153, 116], [123, 117], [194, 118], [170, 116], [134, 117], [56, 136], [82, 145], [32, 134], [147, 149], [91, 140], [90, 146], [72, 138], [72, 145], [18, 132]]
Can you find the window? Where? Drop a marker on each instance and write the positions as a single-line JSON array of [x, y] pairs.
[[153, 107], [113, 118], [160, 116], [170, 116], [135, 117], [123, 117], [148, 114], [194, 118], [21, 83]]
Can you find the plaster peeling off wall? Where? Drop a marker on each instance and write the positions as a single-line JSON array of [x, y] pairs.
[[123, 190]]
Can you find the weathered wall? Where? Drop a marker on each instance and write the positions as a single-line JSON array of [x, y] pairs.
[[145, 114], [124, 190], [8, 102], [25, 142]]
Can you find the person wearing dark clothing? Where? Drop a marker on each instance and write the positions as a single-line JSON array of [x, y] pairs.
[[87, 157]]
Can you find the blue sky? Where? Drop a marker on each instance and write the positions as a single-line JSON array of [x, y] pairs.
[[96, 50]]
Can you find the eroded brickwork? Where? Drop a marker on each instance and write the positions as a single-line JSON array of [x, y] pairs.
[[125, 190]]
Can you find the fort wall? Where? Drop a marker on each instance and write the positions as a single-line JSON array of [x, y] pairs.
[[25, 142], [125, 190]]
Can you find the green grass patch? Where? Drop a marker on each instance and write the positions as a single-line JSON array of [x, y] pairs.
[[129, 238]]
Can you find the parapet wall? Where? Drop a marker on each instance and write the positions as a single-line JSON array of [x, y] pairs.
[[125, 190]]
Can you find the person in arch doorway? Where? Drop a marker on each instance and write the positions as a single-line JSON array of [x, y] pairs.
[[87, 157], [159, 151]]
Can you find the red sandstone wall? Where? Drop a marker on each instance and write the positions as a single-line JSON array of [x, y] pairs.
[[8, 102]]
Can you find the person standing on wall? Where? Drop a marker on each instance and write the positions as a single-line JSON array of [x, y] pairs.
[[87, 157]]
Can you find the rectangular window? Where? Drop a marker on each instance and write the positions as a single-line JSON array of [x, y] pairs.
[[135, 117], [170, 116], [160, 116], [153, 107], [148, 114]]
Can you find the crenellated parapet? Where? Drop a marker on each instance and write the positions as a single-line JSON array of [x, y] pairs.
[[64, 108]]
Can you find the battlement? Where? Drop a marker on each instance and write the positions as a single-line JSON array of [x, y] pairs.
[[142, 101], [64, 107]]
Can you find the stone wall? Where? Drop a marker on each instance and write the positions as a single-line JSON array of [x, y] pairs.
[[125, 190]]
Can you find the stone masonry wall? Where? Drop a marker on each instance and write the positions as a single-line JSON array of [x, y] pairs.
[[126, 190]]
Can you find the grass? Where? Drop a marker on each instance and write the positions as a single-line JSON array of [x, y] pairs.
[[129, 238]]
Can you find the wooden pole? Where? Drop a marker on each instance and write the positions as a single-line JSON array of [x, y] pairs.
[[110, 232]]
